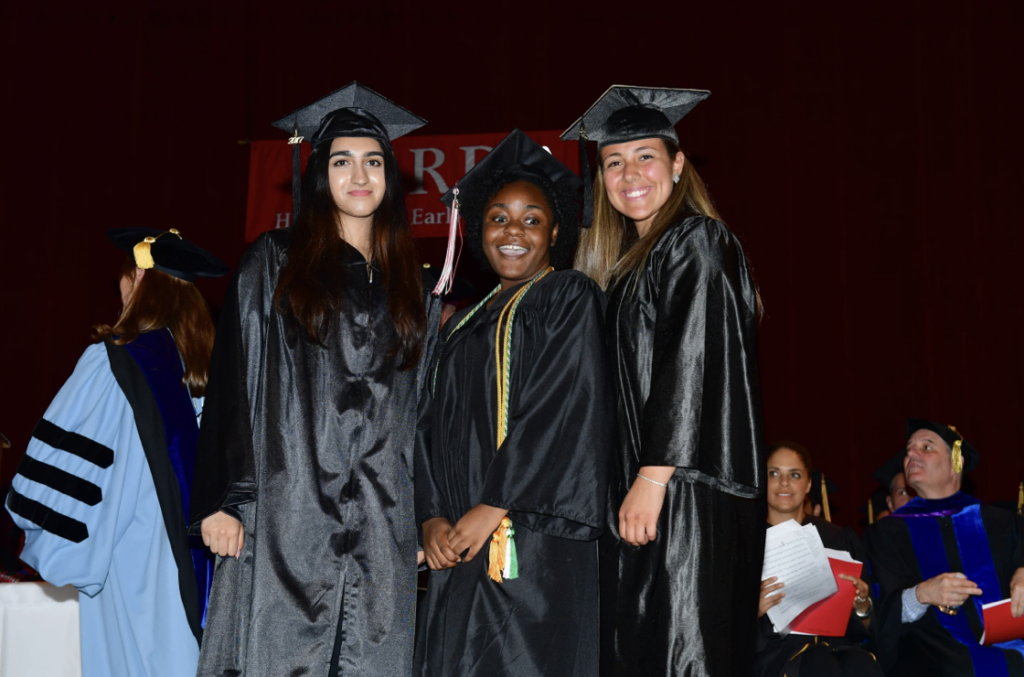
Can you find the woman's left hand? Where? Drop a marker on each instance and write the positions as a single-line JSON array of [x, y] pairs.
[[862, 593], [474, 530]]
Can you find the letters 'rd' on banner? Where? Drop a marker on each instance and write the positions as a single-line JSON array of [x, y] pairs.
[[430, 165]]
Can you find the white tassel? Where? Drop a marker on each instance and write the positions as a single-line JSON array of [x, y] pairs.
[[444, 284]]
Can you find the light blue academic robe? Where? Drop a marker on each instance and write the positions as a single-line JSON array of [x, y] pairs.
[[133, 622]]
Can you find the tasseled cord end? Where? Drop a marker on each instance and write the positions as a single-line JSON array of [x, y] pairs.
[[588, 180], [502, 559], [451, 261], [296, 143], [143, 252]]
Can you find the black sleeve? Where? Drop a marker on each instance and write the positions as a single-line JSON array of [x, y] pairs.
[[893, 570], [225, 472], [552, 469], [429, 500], [704, 407]]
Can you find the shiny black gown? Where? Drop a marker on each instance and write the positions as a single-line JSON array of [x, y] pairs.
[[550, 473], [313, 447], [779, 656], [683, 336]]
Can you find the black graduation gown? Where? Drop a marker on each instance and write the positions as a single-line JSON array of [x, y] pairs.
[[924, 647], [313, 447], [683, 336], [550, 473], [774, 651]]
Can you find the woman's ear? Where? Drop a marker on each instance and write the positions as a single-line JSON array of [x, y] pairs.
[[678, 163], [554, 235], [139, 274]]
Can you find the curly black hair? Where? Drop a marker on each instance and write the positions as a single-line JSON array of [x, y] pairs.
[[562, 197]]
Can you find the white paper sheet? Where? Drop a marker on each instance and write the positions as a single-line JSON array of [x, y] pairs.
[[797, 557]]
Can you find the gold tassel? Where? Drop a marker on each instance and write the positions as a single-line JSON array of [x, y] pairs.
[[494, 566], [824, 499], [1020, 499], [143, 255], [957, 456], [871, 510]]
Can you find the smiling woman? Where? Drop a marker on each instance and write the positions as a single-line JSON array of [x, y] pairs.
[[519, 400], [312, 409]]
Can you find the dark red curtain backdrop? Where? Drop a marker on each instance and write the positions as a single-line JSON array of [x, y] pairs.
[[871, 160]]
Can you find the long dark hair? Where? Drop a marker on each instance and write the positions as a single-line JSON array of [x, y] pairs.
[[311, 289], [160, 300]]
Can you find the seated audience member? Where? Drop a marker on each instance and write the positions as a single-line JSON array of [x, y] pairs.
[[938, 559], [789, 481], [892, 477]]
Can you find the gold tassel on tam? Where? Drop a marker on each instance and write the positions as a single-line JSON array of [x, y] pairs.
[[958, 455], [824, 500], [871, 511], [1020, 499], [143, 255]]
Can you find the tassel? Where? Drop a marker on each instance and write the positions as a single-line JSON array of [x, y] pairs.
[[1020, 499], [493, 568], [511, 558], [143, 254], [824, 500], [296, 143], [871, 511], [444, 283], [588, 181]]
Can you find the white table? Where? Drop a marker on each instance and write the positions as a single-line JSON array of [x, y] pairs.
[[39, 631]]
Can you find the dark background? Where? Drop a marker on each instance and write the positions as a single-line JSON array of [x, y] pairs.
[[869, 159]]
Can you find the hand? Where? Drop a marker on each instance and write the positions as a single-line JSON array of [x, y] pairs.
[[1017, 593], [223, 534], [946, 590], [420, 557], [767, 599], [435, 544], [474, 530], [638, 516], [862, 593]]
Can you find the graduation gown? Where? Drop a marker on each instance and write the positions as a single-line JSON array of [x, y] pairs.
[[99, 495], [926, 646], [312, 447], [683, 336], [777, 655], [550, 473]]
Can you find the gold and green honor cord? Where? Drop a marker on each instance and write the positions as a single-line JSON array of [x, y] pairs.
[[502, 561]]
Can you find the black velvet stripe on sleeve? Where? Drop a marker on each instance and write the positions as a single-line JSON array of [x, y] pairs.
[[47, 518], [59, 480], [73, 443]]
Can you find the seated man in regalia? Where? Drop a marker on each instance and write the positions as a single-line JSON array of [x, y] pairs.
[[941, 558]]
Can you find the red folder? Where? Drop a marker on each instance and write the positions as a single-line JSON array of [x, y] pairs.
[[1000, 625], [830, 616]]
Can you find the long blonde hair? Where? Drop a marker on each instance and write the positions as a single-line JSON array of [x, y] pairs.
[[610, 249]]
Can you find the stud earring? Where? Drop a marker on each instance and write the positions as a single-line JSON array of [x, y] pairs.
[[675, 179]]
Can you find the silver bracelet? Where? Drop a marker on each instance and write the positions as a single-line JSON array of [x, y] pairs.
[[871, 607], [651, 481]]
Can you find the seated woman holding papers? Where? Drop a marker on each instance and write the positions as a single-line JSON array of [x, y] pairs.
[[789, 480]]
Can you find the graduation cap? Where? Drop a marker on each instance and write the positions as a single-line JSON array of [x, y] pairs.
[[625, 113], [516, 154], [819, 492], [353, 110], [167, 251], [890, 469], [964, 453], [875, 505]]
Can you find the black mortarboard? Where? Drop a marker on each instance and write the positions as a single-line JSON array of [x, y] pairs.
[[875, 505], [167, 251], [950, 436], [516, 152], [626, 113], [353, 110], [890, 469], [817, 496]]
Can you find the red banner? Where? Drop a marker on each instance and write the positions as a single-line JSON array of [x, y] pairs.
[[430, 165]]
